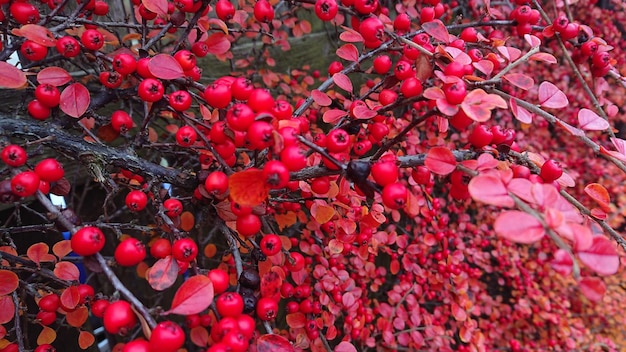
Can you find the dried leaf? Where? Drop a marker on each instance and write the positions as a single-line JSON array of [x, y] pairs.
[[46, 336], [85, 339], [38, 253]]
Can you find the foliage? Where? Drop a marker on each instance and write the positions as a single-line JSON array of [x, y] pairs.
[[452, 182]]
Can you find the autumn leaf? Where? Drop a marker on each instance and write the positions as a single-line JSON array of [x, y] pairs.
[[440, 160], [593, 288], [343, 82], [437, 30], [193, 296], [163, 273], [491, 190], [55, 76], [70, 297], [36, 33], [85, 339], [11, 76], [590, 121], [518, 226], [600, 195], [38, 253], [46, 336], [77, 317], [66, 271], [8, 282], [165, 66], [75, 100], [551, 97], [348, 52], [601, 257], [274, 343], [7, 309], [248, 187], [321, 98], [218, 43], [478, 104]]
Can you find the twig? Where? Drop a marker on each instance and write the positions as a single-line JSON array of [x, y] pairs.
[[17, 324]]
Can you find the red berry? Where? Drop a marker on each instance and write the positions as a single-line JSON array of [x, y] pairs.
[[130, 252], [119, 318], [150, 90], [161, 248], [326, 10], [25, 184], [87, 241], [48, 95], [186, 136], [167, 336], [248, 225], [267, 309], [229, 304], [270, 244], [49, 170], [14, 155], [220, 280], [395, 195], [550, 171], [185, 249], [136, 200]]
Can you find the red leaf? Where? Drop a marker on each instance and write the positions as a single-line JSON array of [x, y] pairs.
[[348, 52], [70, 297], [350, 35], [517, 226], [333, 115], [520, 80], [7, 309], [343, 82], [345, 346], [85, 339], [55, 76], [157, 6], [598, 193], [273, 343], [8, 282], [270, 285], [590, 121], [321, 98], [434, 93], [551, 97], [218, 43], [66, 271], [199, 336], [193, 296], [11, 76], [437, 30], [75, 100], [62, 248], [491, 190], [478, 104], [521, 114], [593, 288], [165, 66], [296, 320], [38, 253], [440, 160], [163, 273], [248, 187], [484, 66], [38, 34], [601, 257]]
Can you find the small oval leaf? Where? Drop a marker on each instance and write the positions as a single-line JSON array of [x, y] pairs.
[[11, 76], [343, 82], [517, 226], [75, 100], [348, 52], [193, 296], [66, 271], [165, 66], [601, 257], [248, 187], [440, 160], [590, 121], [550, 96], [55, 76], [8, 282], [163, 273]]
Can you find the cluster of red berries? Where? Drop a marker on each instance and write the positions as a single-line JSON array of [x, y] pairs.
[[526, 17], [26, 183]]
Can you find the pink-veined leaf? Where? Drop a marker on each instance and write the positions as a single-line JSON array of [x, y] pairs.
[[601, 257], [544, 57], [345, 346], [75, 100], [333, 115], [490, 189], [36, 33], [348, 52], [593, 288], [193, 296], [600, 195], [520, 80], [343, 82], [53, 75], [157, 6], [321, 98], [550, 96], [349, 35], [521, 114], [11, 77], [478, 104], [590, 121], [165, 66], [437, 30], [440, 160], [163, 273], [562, 262], [518, 226], [218, 43]]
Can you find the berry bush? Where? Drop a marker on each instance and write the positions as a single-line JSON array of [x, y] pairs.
[[448, 176]]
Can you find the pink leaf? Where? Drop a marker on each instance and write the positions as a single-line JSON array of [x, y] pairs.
[[53, 75], [343, 82], [345, 346], [350, 35], [484, 66], [321, 98], [489, 189], [598, 193], [601, 257], [520, 80], [437, 30], [446, 108], [562, 262], [193, 296], [521, 188], [532, 40], [590, 121], [11, 76], [521, 114], [518, 226], [593, 288], [478, 105], [38, 34], [75, 100], [348, 52], [544, 57], [551, 97], [440, 160], [333, 115], [362, 112], [165, 66], [434, 93]]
